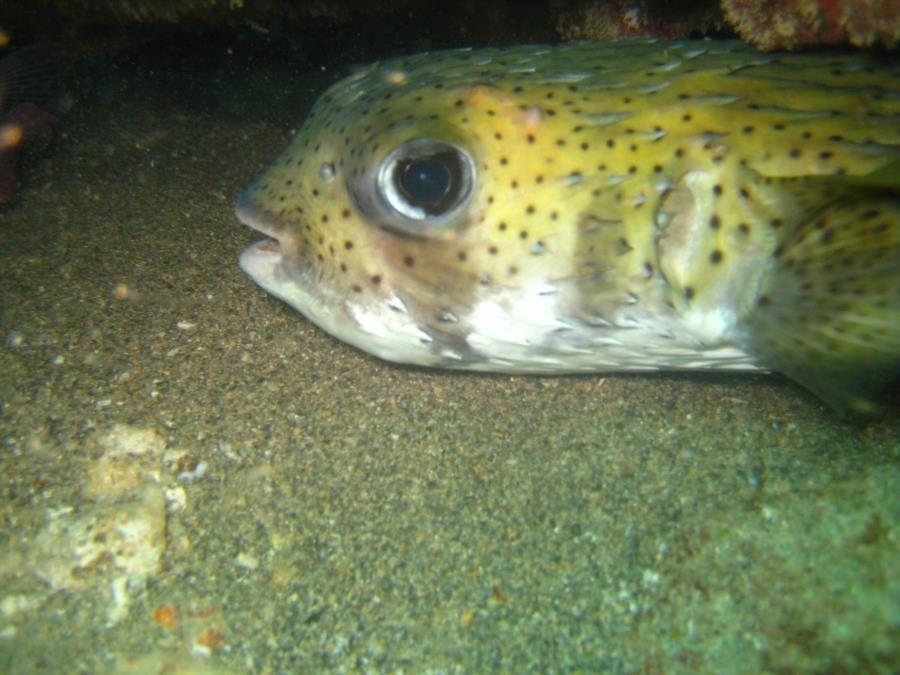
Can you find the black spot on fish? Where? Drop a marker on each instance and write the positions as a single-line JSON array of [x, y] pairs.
[[870, 214]]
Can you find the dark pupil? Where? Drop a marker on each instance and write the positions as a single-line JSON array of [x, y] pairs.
[[426, 182]]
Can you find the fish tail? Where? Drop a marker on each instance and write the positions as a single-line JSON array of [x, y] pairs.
[[828, 311]]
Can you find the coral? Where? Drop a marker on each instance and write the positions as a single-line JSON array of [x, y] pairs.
[[768, 24], [785, 24], [601, 20]]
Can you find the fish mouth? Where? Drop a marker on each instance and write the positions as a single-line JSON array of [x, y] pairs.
[[276, 271], [255, 217], [261, 259], [267, 260]]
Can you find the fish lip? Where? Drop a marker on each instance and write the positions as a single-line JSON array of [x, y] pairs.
[[255, 217]]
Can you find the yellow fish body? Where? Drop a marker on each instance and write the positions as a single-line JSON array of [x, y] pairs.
[[612, 206]]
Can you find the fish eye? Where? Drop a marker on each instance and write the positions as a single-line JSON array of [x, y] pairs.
[[423, 185]]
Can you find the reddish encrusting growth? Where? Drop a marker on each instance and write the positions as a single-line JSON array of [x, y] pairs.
[[788, 24], [17, 127]]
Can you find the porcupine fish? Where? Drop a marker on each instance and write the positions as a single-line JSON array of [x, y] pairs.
[[618, 206]]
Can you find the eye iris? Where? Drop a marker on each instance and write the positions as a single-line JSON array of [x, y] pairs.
[[424, 181], [429, 182]]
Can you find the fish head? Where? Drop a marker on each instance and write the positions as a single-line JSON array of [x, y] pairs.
[[417, 221]]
